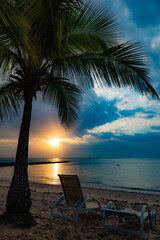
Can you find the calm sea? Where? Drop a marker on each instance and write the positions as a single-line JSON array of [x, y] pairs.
[[128, 174]]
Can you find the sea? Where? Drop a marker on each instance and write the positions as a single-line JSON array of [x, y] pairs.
[[127, 174]]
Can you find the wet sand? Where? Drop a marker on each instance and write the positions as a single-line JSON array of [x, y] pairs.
[[88, 226]]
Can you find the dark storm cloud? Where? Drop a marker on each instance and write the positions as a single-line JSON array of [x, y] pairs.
[[129, 113], [140, 145], [140, 138], [95, 111], [126, 149], [156, 128]]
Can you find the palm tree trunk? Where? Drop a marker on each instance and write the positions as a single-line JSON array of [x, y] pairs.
[[19, 196]]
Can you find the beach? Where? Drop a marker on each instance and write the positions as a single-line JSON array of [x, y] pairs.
[[88, 226]]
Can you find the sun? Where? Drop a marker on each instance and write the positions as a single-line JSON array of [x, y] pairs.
[[55, 142]]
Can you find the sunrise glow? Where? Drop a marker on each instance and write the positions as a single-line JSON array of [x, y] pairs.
[[55, 142]]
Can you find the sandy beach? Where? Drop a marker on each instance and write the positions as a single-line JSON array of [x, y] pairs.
[[88, 226]]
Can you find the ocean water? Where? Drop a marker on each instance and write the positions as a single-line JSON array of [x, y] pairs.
[[128, 174]]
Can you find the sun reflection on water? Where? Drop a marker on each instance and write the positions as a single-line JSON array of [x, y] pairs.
[[48, 173], [55, 170]]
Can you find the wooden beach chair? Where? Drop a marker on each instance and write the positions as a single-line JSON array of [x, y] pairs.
[[74, 199], [128, 214]]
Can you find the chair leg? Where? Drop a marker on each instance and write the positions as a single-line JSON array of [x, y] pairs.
[[150, 221], [141, 228], [55, 205], [101, 214], [103, 219], [77, 215], [153, 221]]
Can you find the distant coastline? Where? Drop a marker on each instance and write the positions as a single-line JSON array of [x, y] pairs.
[[10, 164]]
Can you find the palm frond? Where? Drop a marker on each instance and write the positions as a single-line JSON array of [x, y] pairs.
[[46, 17], [65, 96], [10, 101], [74, 31], [94, 19], [8, 59], [120, 66], [14, 29], [10, 16]]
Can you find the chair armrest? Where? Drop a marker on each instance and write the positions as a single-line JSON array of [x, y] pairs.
[[58, 200], [76, 204], [144, 208], [56, 204], [109, 205]]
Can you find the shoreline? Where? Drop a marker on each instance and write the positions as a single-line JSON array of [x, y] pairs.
[[88, 226], [7, 182], [110, 192]]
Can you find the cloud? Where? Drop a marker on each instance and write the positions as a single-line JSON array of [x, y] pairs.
[[128, 99], [83, 140], [123, 10], [139, 123], [95, 110], [127, 12], [155, 44], [5, 140], [74, 140], [143, 18], [141, 26]]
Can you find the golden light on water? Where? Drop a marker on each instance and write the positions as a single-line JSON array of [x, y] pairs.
[[55, 170], [55, 141], [47, 173]]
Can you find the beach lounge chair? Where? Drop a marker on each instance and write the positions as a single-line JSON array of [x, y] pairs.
[[128, 214], [74, 199]]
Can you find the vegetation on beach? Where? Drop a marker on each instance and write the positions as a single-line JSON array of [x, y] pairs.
[[56, 48]]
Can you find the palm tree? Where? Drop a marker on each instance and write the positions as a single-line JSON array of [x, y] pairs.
[[74, 45]]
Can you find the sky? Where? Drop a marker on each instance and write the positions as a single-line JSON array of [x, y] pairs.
[[112, 122]]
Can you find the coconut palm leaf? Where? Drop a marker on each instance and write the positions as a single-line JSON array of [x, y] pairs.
[[46, 17], [14, 29], [9, 59], [9, 14], [10, 100], [90, 52], [75, 28], [94, 19], [65, 96], [120, 66]]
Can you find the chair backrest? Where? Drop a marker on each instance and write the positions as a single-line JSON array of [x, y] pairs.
[[72, 189]]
